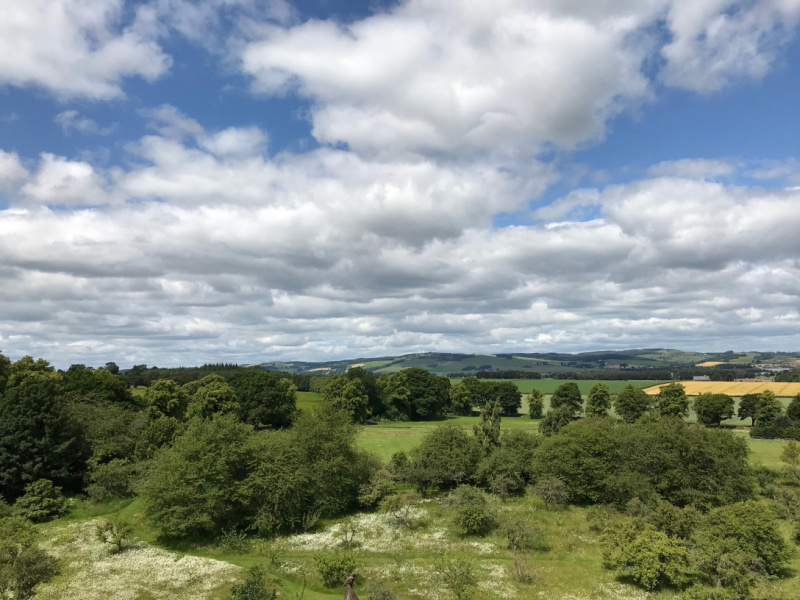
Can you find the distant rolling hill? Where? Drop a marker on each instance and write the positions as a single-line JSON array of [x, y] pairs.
[[446, 363]]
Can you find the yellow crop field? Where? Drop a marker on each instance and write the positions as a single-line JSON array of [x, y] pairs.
[[710, 363], [733, 388]]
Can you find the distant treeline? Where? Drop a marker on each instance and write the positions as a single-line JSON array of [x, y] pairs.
[[721, 373], [143, 376], [788, 376]]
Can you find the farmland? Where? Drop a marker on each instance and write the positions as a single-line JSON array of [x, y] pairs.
[[734, 388]]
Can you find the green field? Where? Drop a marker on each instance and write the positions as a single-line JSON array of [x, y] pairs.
[[548, 386], [308, 400]]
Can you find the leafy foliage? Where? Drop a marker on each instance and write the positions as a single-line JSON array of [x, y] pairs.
[[446, 457], [415, 395], [487, 430], [768, 408], [742, 528], [41, 501], [264, 400], [472, 511], [599, 401], [350, 395], [567, 394], [23, 565], [334, 567], [457, 575], [632, 403], [712, 409], [747, 407], [536, 404], [209, 396], [551, 490], [556, 419], [38, 440], [197, 487], [672, 401], [114, 531], [646, 555], [508, 470], [683, 464]]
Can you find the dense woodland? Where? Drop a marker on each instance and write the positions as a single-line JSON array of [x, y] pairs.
[[223, 449]]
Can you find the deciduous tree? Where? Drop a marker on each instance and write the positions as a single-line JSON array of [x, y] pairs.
[[672, 401], [599, 401]]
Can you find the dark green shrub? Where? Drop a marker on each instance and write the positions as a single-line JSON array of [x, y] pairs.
[[41, 501], [674, 521], [23, 565], [556, 419], [446, 457], [744, 528]]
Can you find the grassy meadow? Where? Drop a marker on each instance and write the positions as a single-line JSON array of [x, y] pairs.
[[566, 566]]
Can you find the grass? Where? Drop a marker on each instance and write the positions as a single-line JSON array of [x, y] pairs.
[[308, 400], [548, 386], [569, 567]]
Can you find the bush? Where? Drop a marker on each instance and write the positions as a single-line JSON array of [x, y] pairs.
[[380, 591], [744, 528], [647, 556], [381, 484], [41, 501], [521, 570], [551, 490], [402, 506], [673, 521], [556, 419], [335, 567], [115, 531], [23, 565], [446, 457], [521, 536], [457, 575], [601, 517], [254, 587], [473, 514], [197, 487], [507, 470]]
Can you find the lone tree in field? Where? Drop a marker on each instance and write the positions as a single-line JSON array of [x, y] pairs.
[[768, 408], [567, 394], [672, 401], [747, 407], [712, 409], [536, 404], [487, 431], [793, 410], [599, 401]]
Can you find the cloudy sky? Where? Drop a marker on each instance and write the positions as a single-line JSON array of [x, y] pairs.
[[185, 181]]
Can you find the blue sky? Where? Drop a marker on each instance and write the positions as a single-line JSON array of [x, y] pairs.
[[243, 180]]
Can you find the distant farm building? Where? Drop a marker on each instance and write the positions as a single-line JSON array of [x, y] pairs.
[[701, 378]]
